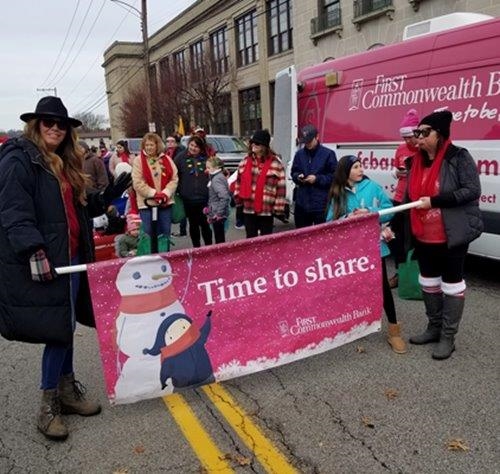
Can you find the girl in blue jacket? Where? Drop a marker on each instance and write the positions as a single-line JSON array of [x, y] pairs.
[[352, 194]]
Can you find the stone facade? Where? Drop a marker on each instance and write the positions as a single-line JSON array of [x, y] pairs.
[[313, 41]]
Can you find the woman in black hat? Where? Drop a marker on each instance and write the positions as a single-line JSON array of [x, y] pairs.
[[260, 186], [45, 223], [446, 179]]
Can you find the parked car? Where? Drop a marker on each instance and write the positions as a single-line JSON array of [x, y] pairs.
[[229, 148]]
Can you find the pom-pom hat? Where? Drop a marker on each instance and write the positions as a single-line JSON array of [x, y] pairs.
[[133, 222], [409, 123]]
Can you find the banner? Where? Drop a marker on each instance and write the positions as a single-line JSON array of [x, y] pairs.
[[178, 320]]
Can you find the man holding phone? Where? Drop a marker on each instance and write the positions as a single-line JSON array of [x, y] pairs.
[[312, 172]]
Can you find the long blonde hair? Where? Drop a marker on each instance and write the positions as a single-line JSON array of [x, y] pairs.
[[67, 159]]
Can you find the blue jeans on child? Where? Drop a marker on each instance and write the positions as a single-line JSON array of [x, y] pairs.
[[57, 360]]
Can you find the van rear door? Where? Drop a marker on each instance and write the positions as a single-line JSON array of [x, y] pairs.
[[285, 120]]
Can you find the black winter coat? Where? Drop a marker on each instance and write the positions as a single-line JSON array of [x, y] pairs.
[[33, 217], [193, 184], [458, 198]]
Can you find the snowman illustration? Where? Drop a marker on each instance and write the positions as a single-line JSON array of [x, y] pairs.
[[147, 298]]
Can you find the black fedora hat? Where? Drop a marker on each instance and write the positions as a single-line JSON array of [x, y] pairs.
[[50, 107]]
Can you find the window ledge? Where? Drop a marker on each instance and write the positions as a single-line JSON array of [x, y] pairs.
[[359, 20], [329, 31], [415, 4]]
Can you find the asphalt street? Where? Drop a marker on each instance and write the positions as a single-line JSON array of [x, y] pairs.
[[358, 408]]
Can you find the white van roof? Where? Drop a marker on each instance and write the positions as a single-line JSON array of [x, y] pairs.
[[440, 23]]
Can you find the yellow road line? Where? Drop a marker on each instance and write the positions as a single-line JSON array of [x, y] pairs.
[[267, 454], [201, 442]]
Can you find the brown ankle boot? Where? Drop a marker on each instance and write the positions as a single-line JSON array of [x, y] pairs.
[[72, 397], [49, 420], [395, 340]]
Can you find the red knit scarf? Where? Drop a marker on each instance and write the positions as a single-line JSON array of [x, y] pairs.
[[246, 181], [147, 302], [183, 343], [124, 157], [419, 187], [166, 170]]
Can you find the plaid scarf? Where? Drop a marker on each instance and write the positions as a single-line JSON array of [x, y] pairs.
[[246, 181]]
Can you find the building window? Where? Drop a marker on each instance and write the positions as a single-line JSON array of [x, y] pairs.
[[330, 13], [199, 113], [196, 55], [365, 7], [250, 112], [328, 19], [223, 121], [246, 39], [179, 67], [219, 49], [164, 72], [279, 25], [153, 81]]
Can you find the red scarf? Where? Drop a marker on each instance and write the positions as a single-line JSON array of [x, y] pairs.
[[183, 343], [419, 187], [124, 157], [147, 302], [246, 181], [166, 170]]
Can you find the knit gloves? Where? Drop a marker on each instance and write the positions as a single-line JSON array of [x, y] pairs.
[[41, 268]]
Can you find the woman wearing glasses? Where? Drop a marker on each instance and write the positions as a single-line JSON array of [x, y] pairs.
[[44, 223], [445, 178]]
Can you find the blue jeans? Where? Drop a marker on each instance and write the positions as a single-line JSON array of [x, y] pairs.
[[164, 222], [57, 360]]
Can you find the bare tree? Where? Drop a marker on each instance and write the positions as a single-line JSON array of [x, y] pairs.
[[91, 122], [197, 100], [132, 114], [208, 91], [170, 102]]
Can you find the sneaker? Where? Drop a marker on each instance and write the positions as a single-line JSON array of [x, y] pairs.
[[239, 226], [179, 234]]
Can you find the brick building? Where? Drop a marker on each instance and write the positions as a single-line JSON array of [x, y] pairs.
[[249, 41]]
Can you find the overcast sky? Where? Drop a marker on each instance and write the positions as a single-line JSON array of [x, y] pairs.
[[39, 49]]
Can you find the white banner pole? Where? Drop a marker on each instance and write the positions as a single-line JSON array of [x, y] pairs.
[[71, 269], [383, 212], [402, 207]]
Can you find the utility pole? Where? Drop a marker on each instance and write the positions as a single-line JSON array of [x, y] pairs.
[[145, 48], [48, 89]]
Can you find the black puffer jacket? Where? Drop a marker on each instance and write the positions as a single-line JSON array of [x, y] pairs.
[[458, 198], [193, 181], [33, 216], [459, 193]]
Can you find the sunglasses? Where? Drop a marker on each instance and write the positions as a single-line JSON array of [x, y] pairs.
[[424, 132], [61, 125]]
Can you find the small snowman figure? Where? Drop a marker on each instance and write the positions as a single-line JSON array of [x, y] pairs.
[[147, 298]]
